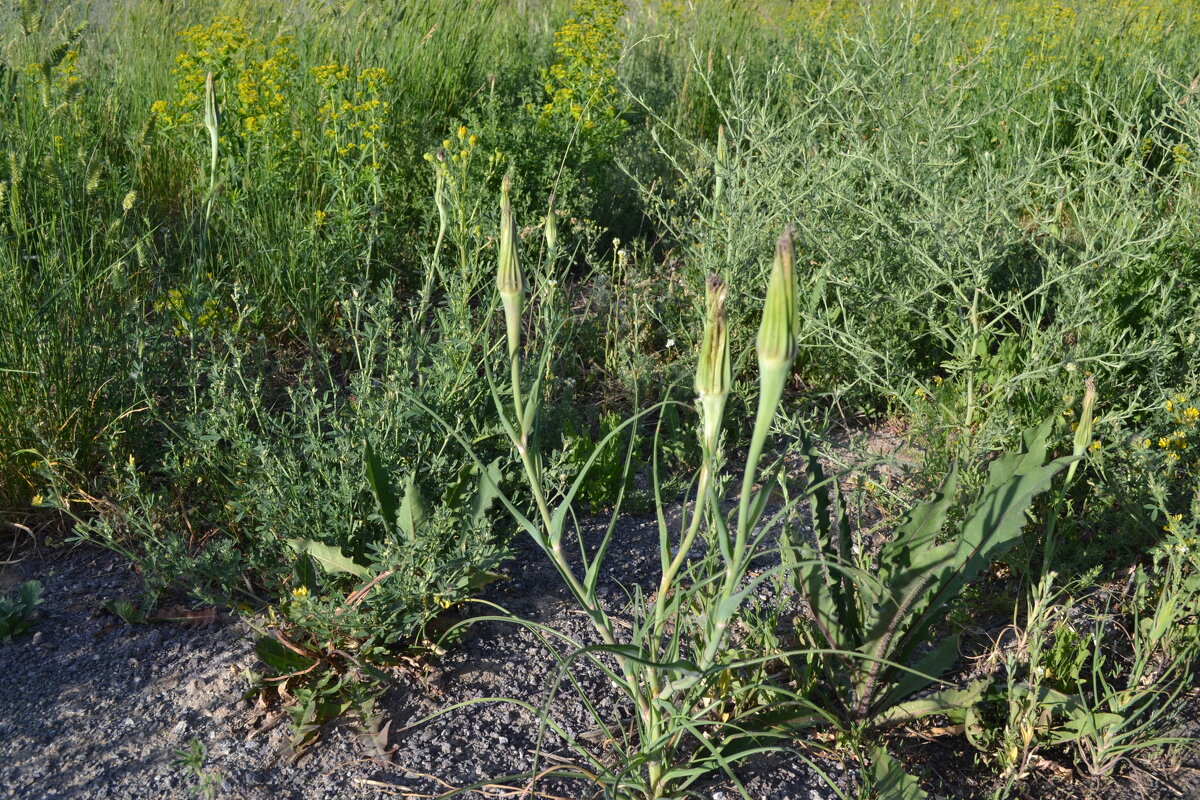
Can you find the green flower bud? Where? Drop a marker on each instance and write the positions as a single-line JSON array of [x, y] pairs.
[[508, 276], [722, 165], [1083, 429], [551, 229], [713, 371], [439, 198], [780, 321], [211, 119]]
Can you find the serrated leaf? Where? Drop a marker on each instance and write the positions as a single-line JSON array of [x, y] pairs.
[[951, 701], [822, 574], [922, 577], [331, 558], [31, 594], [934, 663]]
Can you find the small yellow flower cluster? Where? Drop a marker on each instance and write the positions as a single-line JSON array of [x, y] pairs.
[[1185, 428], [823, 20], [210, 315], [352, 110], [582, 82], [456, 154], [330, 75], [263, 88], [213, 48], [1037, 36], [461, 167], [61, 80], [1046, 24], [66, 75], [460, 150], [258, 75]]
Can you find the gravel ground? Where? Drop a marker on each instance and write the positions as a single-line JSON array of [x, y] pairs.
[[95, 708]]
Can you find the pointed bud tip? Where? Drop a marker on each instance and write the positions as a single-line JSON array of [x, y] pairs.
[[780, 323], [785, 243]]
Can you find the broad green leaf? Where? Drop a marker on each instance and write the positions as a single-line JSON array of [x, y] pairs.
[[1085, 723], [124, 608], [331, 558], [924, 578], [280, 659], [413, 512], [479, 578], [306, 572], [486, 494], [934, 664], [952, 701], [822, 576], [890, 780], [381, 487], [31, 594]]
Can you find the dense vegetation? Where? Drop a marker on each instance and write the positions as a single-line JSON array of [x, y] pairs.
[[251, 338]]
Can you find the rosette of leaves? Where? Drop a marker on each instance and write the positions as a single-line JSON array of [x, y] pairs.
[[871, 626], [18, 615], [328, 651]]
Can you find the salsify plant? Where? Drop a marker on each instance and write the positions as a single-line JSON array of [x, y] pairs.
[[871, 623], [698, 704], [676, 662]]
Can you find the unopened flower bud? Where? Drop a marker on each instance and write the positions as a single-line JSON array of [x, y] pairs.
[[721, 167], [508, 276], [1083, 428], [551, 229], [779, 329], [713, 370]]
